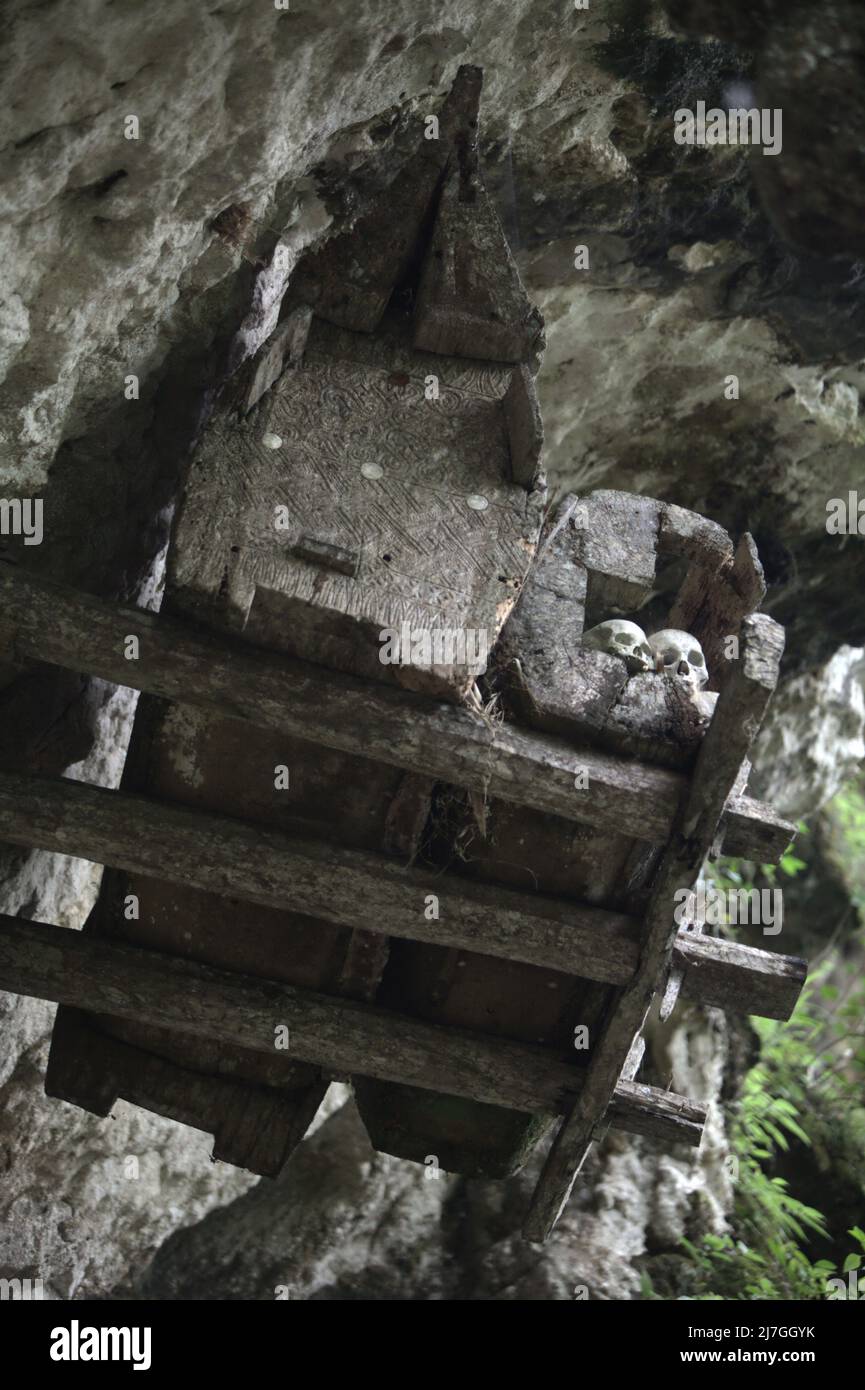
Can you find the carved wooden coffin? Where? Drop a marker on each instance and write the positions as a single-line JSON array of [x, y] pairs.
[[367, 487]]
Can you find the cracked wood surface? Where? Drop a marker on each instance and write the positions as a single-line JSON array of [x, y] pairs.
[[376, 893], [48, 622], [339, 1035], [738, 715]]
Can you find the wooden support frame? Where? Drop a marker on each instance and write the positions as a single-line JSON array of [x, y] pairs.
[[738, 715], [340, 1035], [324, 591], [42, 621], [374, 892], [232, 680]]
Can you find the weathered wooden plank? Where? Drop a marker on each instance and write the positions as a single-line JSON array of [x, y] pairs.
[[340, 1035], [354, 423], [694, 538], [349, 887], [717, 594], [752, 823], [284, 348], [738, 714], [737, 978], [232, 679], [253, 1126], [368, 891], [676, 977], [350, 279], [525, 427], [368, 951], [650, 1112], [617, 541], [672, 990], [634, 1059], [471, 301], [747, 692]]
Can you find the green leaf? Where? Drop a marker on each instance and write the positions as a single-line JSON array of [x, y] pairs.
[[792, 866]]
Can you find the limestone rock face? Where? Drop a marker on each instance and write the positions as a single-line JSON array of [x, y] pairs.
[[814, 738], [696, 353]]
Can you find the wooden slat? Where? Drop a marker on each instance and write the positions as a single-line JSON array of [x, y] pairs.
[[747, 692], [738, 715], [350, 887], [340, 1035], [368, 891], [739, 979], [648, 1111], [750, 822], [47, 622]]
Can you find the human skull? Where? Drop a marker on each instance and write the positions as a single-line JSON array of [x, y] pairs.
[[618, 637], [679, 655]]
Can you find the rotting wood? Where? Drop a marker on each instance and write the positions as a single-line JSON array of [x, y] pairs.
[[693, 537], [763, 982], [471, 301], [229, 678], [350, 279], [738, 714], [350, 887], [713, 601], [748, 689], [525, 427], [353, 888], [253, 1126], [284, 348], [650, 1112], [616, 538], [55, 963]]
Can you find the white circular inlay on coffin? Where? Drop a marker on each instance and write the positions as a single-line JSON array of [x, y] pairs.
[[372, 470], [271, 441], [477, 503]]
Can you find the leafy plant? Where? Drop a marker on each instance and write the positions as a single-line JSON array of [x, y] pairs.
[[818, 1053]]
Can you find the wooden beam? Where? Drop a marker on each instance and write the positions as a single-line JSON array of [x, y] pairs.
[[370, 891], [738, 715], [753, 830], [340, 1035], [47, 622], [653, 1113], [740, 979], [747, 691], [350, 887]]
